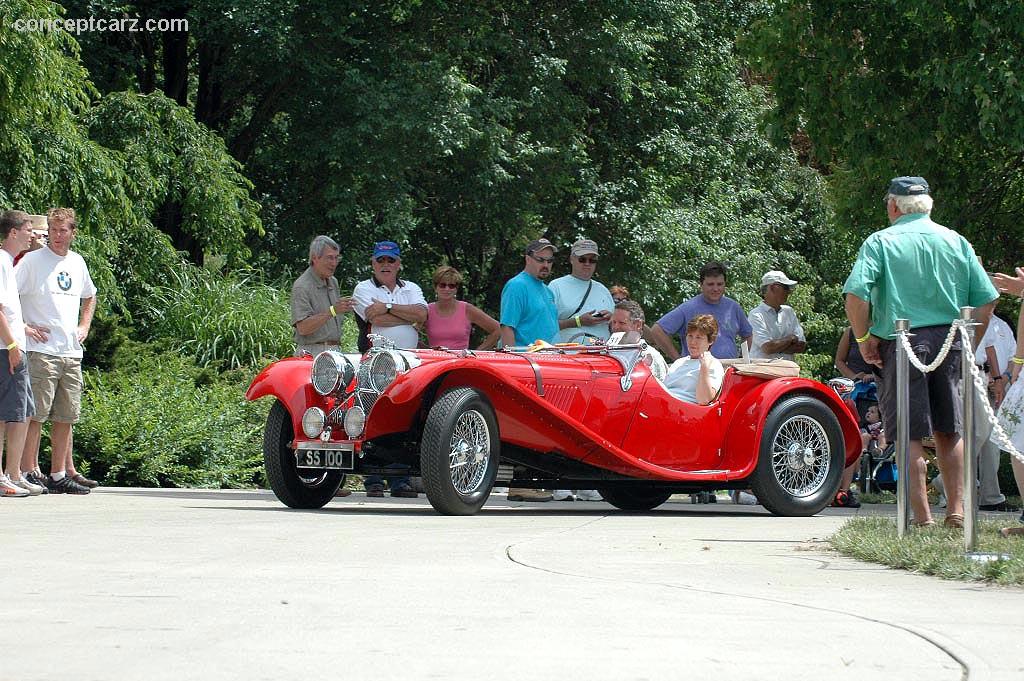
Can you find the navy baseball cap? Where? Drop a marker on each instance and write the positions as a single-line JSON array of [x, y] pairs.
[[908, 186], [383, 249]]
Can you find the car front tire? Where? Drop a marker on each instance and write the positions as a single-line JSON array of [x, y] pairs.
[[459, 452], [801, 458], [294, 490]]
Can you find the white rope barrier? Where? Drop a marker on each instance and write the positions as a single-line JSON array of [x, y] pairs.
[[958, 326]]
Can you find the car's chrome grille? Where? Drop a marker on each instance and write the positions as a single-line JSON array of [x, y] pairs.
[[366, 399]]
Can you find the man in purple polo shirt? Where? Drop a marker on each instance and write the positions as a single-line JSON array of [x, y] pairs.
[[732, 321]]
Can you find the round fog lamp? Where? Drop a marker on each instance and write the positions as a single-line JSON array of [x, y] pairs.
[[355, 421], [313, 422]]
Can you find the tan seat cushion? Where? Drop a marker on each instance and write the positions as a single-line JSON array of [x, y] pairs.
[[764, 368]]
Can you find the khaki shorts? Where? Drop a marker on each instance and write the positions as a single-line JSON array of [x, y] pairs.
[[57, 386]]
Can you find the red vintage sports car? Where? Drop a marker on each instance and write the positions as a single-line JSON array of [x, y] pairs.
[[563, 417]]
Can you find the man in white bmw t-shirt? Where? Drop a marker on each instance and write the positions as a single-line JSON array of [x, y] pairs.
[[58, 299]]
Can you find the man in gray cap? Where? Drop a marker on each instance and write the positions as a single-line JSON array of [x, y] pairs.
[[776, 332], [919, 270], [584, 304]]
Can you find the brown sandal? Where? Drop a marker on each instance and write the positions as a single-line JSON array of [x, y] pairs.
[[954, 521], [922, 523], [1010, 531]]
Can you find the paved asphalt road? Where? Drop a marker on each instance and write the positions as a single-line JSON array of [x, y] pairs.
[[190, 584]]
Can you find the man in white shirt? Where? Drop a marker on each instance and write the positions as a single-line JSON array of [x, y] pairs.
[[777, 333], [58, 299], [391, 306], [628, 319], [584, 305], [16, 401]]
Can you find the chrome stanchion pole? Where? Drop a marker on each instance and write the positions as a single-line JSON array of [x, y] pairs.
[[967, 437], [902, 429]]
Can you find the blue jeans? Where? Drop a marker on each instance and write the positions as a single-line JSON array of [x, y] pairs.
[[394, 481]]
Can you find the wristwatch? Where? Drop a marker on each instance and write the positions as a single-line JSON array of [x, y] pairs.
[[388, 307]]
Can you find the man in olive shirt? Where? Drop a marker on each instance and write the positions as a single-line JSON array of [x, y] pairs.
[[924, 272], [317, 308]]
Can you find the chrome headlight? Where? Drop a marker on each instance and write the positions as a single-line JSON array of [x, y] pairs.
[[355, 421], [332, 371], [385, 366], [313, 422]]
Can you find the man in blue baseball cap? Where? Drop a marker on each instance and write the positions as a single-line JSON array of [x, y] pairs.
[[919, 270], [389, 307]]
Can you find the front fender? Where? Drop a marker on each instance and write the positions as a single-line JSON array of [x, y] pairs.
[[288, 381], [742, 443]]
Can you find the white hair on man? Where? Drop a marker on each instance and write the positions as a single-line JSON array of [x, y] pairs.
[[320, 244], [919, 203]]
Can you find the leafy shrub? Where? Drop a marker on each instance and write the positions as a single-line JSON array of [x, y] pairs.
[[157, 419], [230, 321]]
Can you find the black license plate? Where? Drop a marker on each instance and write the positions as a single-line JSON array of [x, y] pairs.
[[325, 458]]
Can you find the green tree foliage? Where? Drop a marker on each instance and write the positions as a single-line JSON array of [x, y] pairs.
[[883, 88], [464, 130], [118, 160]]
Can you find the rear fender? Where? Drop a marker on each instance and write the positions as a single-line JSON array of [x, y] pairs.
[[743, 437]]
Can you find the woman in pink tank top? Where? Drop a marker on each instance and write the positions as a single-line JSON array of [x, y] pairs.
[[450, 321]]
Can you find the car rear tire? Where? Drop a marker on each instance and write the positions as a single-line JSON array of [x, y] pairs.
[[459, 452], [801, 458], [292, 488], [634, 500]]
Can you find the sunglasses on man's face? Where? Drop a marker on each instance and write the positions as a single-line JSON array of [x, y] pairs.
[[587, 261], [545, 261], [386, 259]]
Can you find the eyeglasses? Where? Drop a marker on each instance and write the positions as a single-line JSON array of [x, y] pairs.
[[588, 261], [386, 259], [546, 261], [617, 300], [444, 284]]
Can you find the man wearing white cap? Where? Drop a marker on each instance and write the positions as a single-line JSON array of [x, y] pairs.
[[584, 304], [777, 333]]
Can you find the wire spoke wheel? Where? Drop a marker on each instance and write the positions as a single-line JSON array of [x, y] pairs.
[[459, 451], [470, 451], [800, 455]]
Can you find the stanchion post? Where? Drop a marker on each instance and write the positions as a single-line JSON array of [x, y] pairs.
[[970, 462], [902, 429]]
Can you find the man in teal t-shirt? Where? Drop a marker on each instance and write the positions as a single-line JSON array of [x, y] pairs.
[[919, 270], [527, 305]]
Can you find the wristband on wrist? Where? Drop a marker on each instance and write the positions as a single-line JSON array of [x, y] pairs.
[[864, 337], [334, 313], [13, 345], [1017, 360], [578, 322]]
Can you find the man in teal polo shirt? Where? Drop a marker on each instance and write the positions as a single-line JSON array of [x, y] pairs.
[[919, 270], [528, 310]]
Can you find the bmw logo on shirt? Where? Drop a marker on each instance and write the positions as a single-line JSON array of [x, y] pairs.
[[64, 281]]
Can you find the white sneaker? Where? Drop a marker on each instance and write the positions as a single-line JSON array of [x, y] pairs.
[[9, 489], [744, 498], [588, 495], [31, 488], [563, 495]]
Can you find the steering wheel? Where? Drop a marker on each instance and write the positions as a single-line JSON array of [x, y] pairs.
[[584, 335]]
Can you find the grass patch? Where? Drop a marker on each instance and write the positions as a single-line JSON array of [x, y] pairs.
[[933, 550]]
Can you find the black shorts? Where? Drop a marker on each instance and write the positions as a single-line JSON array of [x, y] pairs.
[[16, 401], [935, 402]]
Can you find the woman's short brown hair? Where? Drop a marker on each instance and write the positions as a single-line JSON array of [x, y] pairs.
[[448, 275], [705, 324]]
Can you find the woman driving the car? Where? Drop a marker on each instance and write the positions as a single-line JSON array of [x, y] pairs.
[[697, 377]]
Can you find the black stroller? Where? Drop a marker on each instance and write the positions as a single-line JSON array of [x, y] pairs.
[[877, 471]]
